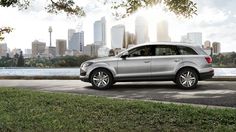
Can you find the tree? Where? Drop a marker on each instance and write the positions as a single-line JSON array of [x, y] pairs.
[[185, 8], [21, 61], [4, 30]]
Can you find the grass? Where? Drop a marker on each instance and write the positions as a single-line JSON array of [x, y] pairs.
[[25, 110]]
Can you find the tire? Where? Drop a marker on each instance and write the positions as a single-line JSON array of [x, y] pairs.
[[101, 79], [187, 78]]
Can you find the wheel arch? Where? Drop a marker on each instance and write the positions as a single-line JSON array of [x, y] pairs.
[[191, 67], [103, 69]]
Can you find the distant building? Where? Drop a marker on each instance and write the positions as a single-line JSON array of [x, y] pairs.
[[91, 50], [216, 48], [103, 51], [163, 31], [130, 39], [118, 36], [141, 30], [28, 53], [3, 49], [207, 44], [77, 41], [51, 52], [70, 34], [60, 47], [72, 53], [100, 32], [38, 48], [193, 38]]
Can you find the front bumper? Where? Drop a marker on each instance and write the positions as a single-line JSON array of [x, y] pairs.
[[206, 75], [83, 76]]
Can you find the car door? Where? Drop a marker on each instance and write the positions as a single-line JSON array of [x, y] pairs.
[[136, 65], [165, 60]]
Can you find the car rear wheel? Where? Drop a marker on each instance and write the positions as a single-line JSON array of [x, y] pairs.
[[187, 78], [101, 79]]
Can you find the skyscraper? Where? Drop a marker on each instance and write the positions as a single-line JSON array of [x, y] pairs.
[[141, 30], [77, 41], [70, 34], [118, 36], [100, 32], [60, 47], [38, 48], [216, 47], [163, 31]]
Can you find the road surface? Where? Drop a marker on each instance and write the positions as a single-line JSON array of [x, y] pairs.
[[216, 93]]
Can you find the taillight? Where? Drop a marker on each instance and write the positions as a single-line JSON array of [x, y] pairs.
[[209, 60]]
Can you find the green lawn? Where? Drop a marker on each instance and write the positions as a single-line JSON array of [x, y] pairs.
[[25, 110]]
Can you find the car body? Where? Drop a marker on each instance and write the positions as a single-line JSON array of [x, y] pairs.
[[162, 61]]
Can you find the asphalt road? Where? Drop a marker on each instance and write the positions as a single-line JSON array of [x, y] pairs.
[[216, 93]]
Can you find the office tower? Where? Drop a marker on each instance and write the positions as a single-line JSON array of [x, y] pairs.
[[216, 48], [77, 41], [141, 30], [60, 47], [163, 31], [38, 48], [70, 34], [100, 32], [118, 37]]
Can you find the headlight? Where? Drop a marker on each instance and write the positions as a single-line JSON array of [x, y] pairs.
[[86, 64]]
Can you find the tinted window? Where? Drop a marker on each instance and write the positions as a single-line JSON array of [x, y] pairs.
[[164, 50], [186, 51], [140, 51]]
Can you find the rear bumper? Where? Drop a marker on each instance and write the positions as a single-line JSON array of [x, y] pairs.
[[206, 75]]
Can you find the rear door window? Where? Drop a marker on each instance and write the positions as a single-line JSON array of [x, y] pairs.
[[186, 50], [165, 50]]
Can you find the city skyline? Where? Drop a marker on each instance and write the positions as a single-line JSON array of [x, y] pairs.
[[36, 21]]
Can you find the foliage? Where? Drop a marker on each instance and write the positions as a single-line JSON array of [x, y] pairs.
[[184, 8], [21, 61], [65, 61], [25, 110], [180, 7], [4, 30], [224, 60]]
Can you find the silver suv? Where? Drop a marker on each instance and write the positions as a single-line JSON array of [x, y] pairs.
[[185, 64]]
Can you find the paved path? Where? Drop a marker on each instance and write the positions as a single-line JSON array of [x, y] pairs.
[[221, 93]]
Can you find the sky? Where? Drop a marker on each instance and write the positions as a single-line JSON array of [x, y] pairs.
[[216, 19]]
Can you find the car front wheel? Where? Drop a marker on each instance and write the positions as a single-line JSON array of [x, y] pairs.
[[187, 78], [101, 79]]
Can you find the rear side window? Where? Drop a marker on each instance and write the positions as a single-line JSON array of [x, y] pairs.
[[164, 50], [186, 50]]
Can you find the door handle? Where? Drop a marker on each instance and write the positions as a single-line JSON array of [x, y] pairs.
[[148, 61], [177, 60]]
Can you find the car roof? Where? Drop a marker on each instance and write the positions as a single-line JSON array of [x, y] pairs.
[[168, 43]]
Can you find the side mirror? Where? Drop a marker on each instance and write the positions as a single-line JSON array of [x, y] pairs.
[[125, 54]]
